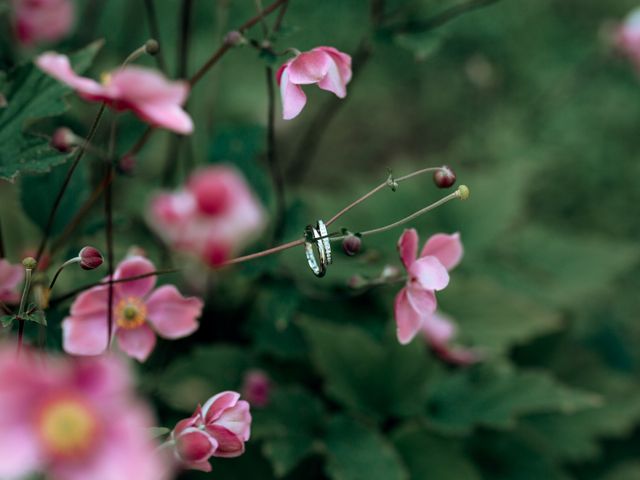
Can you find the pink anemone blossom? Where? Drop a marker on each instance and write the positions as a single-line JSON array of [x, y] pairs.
[[428, 273], [139, 313], [218, 429], [214, 216], [325, 66], [439, 330], [145, 92], [11, 277], [40, 21], [256, 388], [72, 419]]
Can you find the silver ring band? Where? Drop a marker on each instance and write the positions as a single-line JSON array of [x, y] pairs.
[[312, 238], [322, 229]]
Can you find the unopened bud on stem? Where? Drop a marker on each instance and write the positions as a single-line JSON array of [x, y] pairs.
[[90, 258], [29, 263], [152, 47], [444, 177]]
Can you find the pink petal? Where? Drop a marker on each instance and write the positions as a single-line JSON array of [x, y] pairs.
[[408, 247], [132, 267], [333, 81], [137, 342], [342, 61], [408, 320], [171, 314], [195, 446], [429, 273], [309, 67], [446, 248], [293, 98], [421, 300], [91, 302], [236, 419], [20, 453], [165, 115], [139, 85], [85, 335], [438, 328], [229, 444], [216, 405], [59, 67]]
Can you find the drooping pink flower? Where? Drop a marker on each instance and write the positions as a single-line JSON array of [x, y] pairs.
[[627, 37], [72, 419], [214, 216], [325, 66], [11, 277], [256, 388], [145, 92], [439, 331], [40, 21], [139, 313], [219, 429], [428, 273]]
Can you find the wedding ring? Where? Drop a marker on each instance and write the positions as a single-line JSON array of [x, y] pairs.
[[322, 229], [312, 238]]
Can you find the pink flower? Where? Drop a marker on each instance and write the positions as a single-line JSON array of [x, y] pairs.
[[139, 312], [416, 302], [326, 66], [439, 330], [217, 429], [212, 217], [147, 93], [72, 419], [256, 388], [11, 277], [627, 37], [38, 21]]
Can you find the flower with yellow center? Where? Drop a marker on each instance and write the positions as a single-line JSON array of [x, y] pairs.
[[130, 313], [67, 427]]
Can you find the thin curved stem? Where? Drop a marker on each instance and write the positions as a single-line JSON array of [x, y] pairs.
[[155, 31]]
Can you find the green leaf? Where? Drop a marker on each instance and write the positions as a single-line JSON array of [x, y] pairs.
[[363, 374], [193, 378], [36, 317], [289, 426], [357, 452], [433, 457], [495, 396], [7, 320], [38, 191], [494, 330], [32, 95]]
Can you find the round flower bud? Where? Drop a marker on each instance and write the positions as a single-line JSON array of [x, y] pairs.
[[234, 38], [127, 164], [463, 192], [90, 258], [29, 263], [351, 245], [63, 140], [152, 47], [444, 177]]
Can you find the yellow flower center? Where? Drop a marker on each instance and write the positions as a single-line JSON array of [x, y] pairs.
[[131, 313], [67, 427], [105, 78]]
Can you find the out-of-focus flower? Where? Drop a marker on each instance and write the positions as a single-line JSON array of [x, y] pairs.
[[627, 37], [139, 312], [428, 273], [40, 21], [145, 92], [325, 66], [10, 278], [72, 419], [439, 330], [217, 429], [214, 216], [256, 388]]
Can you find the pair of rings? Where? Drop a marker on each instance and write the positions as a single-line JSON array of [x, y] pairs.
[[317, 238]]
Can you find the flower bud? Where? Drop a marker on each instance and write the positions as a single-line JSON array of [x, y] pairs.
[[127, 164], [351, 245], [234, 38], [63, 140], [29, 263], [444, 177], [463, 192], [256, 388], [152, 47], [90, 258]]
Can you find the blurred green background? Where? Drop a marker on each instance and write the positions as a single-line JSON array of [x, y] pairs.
[[535, 112]]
